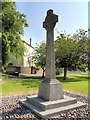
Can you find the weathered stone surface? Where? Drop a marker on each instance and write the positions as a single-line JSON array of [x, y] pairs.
[[38, 106], [49, 25], [46, 105], [50, 88], [50, 20]]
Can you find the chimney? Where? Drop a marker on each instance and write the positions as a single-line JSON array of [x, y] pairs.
[[30, 41]]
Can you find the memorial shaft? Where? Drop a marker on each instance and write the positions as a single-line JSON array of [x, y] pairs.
[[50, 58]]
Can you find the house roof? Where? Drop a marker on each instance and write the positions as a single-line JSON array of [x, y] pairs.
[[28, 44]]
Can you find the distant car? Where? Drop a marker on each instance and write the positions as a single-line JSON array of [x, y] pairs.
[[13, 70]]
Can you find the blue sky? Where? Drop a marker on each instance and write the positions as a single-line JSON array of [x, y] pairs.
[[72, 16]]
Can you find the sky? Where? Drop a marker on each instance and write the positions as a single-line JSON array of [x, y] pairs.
[[72, 16]]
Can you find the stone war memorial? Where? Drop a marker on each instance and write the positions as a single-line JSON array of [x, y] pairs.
[[50, 100]]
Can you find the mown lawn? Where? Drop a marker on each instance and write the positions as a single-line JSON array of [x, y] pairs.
[[74, 83]]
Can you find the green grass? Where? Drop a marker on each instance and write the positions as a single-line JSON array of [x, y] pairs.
[[12, 87], [74, 83]]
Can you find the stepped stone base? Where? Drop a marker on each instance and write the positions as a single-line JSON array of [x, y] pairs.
[[45, 109]]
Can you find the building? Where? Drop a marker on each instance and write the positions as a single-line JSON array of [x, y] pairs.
[[25, 65]]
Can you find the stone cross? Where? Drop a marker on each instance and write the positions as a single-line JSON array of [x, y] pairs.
[[50, 20], [50, 88], [49, 24]]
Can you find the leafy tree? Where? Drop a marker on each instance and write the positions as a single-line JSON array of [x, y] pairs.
[[0, 37], [71, 52], [64, 52], [13, 23], [82, 49], [89, 50], [40, 56]]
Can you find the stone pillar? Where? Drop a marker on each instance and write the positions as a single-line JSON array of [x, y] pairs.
[[50, 88], [50, 57]]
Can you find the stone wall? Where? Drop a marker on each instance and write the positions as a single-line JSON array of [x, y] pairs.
[[25, 70]]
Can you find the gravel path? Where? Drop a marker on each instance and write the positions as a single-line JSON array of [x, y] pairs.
[[11, 110]]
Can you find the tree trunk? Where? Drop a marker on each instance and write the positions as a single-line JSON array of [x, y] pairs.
[[65, 73], [43, 73]]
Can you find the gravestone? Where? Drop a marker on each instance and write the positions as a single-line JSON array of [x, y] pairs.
[[50, 99]]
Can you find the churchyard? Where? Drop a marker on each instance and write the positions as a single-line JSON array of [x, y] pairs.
[[53, 96]]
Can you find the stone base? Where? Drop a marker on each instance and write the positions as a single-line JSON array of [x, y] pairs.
[[45, 109], [50, 89]]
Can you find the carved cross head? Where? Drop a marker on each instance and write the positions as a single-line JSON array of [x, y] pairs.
[[50, 20]]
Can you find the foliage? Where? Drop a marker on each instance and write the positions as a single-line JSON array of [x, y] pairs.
[[72, 52], [81, 51], [13, 23], [89, 49], [40, 56], [0, 34], [64, 52], [64, 47]]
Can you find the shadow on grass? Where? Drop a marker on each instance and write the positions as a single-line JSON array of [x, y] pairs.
[[35, 81], [31, 83], [26, 81], [31, 77], [83, 77], [75, 79]]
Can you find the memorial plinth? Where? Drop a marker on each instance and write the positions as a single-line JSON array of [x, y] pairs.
[[50, 99]]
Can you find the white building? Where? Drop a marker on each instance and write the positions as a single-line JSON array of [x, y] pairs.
[[26, 64], [27, 60]]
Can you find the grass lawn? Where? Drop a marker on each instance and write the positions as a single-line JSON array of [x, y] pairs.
[[75, 83]]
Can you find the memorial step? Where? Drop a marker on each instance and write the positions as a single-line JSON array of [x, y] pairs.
[[37, 109], [46, 105]]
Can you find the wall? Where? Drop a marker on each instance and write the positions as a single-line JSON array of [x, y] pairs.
[[25, 70], [27, 60]]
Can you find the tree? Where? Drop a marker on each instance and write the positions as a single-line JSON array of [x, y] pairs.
[[0, 37], [64, 50], [71, 52], [82, 49], [89, 50], [13, 23], [40, 56]]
